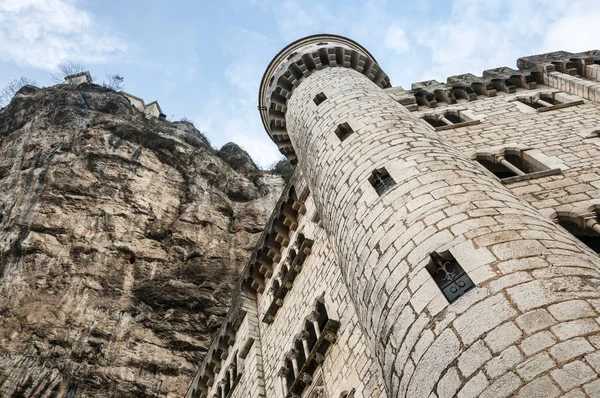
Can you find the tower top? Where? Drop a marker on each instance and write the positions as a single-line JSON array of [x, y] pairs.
[[297, 61]]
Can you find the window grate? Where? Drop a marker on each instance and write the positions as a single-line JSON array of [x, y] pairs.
[[381, 181], [447, 273]]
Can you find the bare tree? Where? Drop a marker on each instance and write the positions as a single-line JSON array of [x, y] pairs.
[[65, 69], [12, 87], [114, 82]]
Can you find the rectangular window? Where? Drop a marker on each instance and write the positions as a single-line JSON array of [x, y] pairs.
[[449, 120], [513, 165], [381, 180], [319, 98], [547, 101], [343, 131], [447, 273]]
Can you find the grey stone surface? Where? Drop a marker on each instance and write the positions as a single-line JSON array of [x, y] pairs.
[[532, 306]]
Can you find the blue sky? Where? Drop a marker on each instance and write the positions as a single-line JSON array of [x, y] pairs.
[[203, 60]]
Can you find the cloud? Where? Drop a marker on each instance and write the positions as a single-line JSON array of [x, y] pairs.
[[44, 33], [573, 31], [483, 34], [396, 40]]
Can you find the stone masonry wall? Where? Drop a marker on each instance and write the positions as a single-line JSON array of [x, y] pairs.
[[564, 136], [528, 329], [349, 363]]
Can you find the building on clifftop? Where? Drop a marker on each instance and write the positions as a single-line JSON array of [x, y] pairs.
[[434, 242]]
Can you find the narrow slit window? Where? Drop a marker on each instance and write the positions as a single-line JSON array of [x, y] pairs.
[[312, 335], [319, 98], [290, 375], [382, 181], [447, 273], [322, 313], [301, 356], [343, 131]]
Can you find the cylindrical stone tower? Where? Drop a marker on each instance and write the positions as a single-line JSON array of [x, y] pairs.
[[390, 194]]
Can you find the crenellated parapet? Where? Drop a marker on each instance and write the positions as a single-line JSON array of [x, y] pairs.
[[466, 87], [560, 61], [503, 79], [298, 61]]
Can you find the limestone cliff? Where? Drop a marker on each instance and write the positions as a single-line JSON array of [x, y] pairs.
[[121, 237]]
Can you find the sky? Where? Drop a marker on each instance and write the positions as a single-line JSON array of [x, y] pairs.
[[203, 60]]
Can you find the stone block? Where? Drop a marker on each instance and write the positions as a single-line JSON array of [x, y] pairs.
[[518, 249], [440, 354], [539, 388], [537, 342], [483, 317], [535, 320], [594, 360], [502, 336], [580, 327], [572, 309], [573, 374], [531, 295], [509, 280], [474, 386], [449, 384], [503, 362], [592, 389], [575, 394], [504, 387], [534, 366], [473, 358], [522, 264], [570, 349]]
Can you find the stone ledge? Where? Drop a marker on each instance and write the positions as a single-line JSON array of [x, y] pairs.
[[458, 125], [531, 176], [560, 106]]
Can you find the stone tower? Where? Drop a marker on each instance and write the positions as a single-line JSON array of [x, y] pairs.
[[323, 102], [435, 242]]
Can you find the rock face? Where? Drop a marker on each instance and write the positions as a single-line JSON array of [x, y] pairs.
[[121, 238], [238, 159]]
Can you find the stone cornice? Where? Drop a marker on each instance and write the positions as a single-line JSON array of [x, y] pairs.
[[299, 60]]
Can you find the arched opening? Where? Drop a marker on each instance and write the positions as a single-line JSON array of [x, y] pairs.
[[289, 376], [301, 358], [323, 317], [589, 233], [312, 335]]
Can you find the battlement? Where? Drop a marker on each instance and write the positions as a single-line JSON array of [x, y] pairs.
[[503, 79]]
